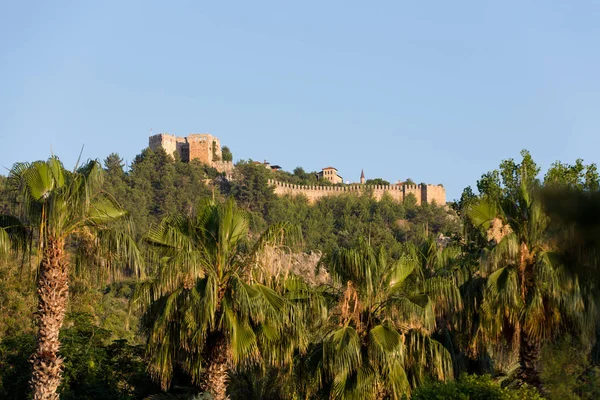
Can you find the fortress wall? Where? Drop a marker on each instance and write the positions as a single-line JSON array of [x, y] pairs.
[[415, 190], [198, 150], [423, 193], [224, 166], [182, 148], [436, 193], [394, 191], [282, 189], [312, 192], [168, 142]]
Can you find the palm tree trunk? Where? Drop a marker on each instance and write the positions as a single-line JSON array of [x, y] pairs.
[[53, 294], [216, 373], [529, 355], [523, 265]]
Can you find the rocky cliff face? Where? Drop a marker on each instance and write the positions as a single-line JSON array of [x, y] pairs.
[[276, 262]]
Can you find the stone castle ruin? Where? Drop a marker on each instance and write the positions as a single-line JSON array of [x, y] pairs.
[[424, 194], [196, 146], [207, 149]]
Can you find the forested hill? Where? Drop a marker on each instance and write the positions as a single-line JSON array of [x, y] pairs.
[[156, 186], [183, 283]]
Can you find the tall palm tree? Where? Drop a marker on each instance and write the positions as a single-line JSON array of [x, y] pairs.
[[528, 294], [58, 205], [208, 307], [379, 343]]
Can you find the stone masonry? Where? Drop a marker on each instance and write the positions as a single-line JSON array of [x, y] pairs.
[[423, 193], [197, 146]]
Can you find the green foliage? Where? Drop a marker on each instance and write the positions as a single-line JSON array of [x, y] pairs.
[[210, 290], [300, 177], [379, 338], [377, 181], [577, 176], [226, 153], [215, 156], [95, 367], [17, 298], [155, 186], [113, 165], [61, 204], [509, 178], [567, 375], [338, 353], [109, 306], [514, 175], [98, 369], [473, 387], [7, 199], [489, 185], [305, 177], [250, 187], [466, 197], [529, 295], [342, 221], [15, 369], [261, 383]]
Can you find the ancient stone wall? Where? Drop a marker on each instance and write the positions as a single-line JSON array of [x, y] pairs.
[[197, 146], [170, 143], [422, 193], [435, 193], [201, 147], [394, 191], [414, 190], [224, 166]]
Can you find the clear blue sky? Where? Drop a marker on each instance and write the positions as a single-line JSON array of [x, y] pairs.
[[436, 91]]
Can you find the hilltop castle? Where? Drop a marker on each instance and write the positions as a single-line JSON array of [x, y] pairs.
[[423, 194], [196, 146], [207, 149]]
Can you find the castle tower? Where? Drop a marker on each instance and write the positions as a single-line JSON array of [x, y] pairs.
[[170, 143], [362, 176], [200, 146], [203, 147]]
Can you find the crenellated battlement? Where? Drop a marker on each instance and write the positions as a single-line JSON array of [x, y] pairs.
[[422, 193]]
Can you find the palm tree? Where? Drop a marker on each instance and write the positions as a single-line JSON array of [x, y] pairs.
[[379, 343], [57, 206], [209, 307], [528, 294]]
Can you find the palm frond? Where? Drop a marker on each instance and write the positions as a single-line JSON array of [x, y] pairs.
[[342, 351], [244, 346], [482, 213], [400, 271], [14, 236], [386, 340], [104, 209]]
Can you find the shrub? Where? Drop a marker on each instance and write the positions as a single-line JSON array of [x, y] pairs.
[[473, 387]]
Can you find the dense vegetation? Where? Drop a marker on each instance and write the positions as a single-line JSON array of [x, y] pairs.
[[208, 285]]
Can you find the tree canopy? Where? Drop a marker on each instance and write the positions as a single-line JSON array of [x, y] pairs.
[[241, 293]]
